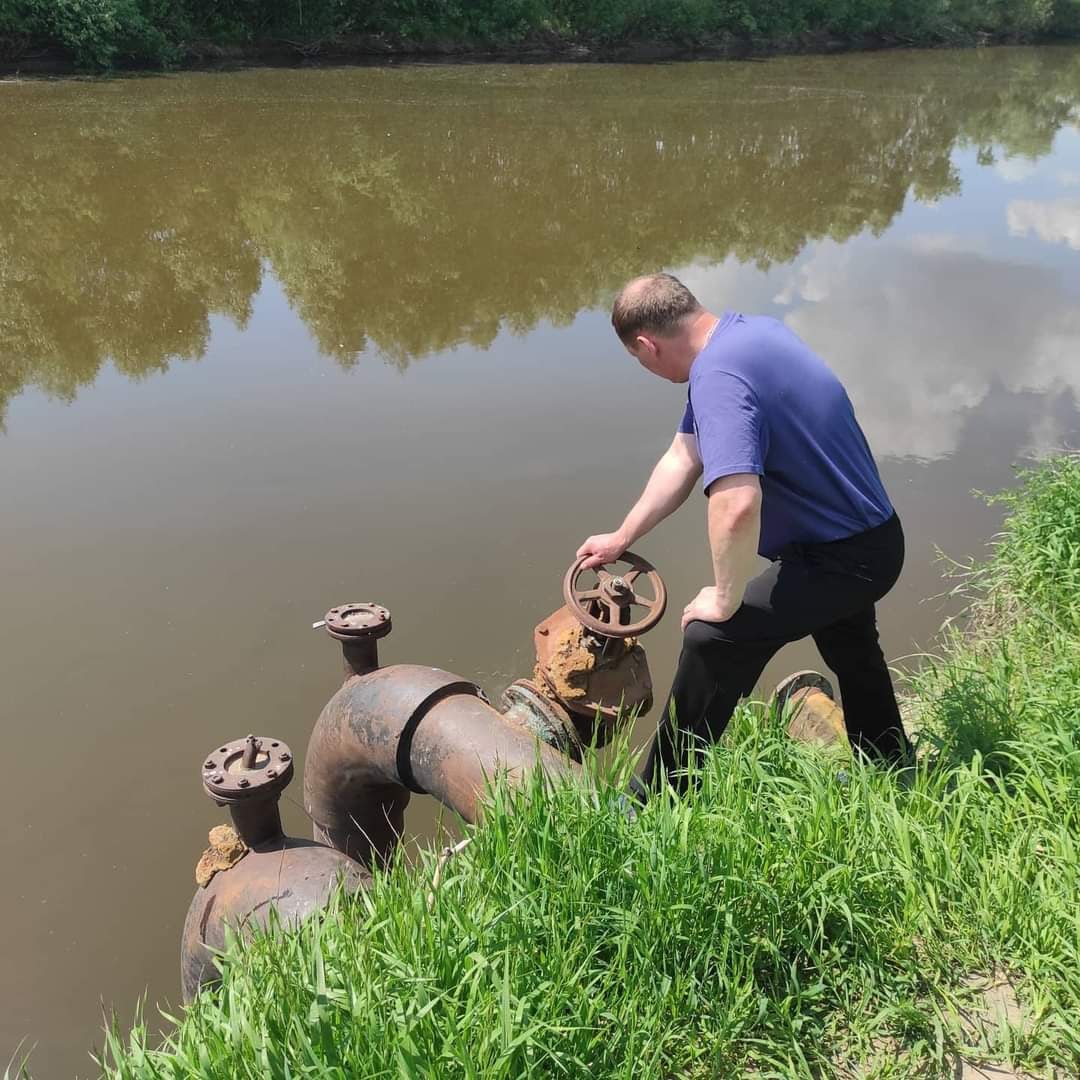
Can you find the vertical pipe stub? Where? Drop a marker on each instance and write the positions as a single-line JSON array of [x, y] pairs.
[[358, 627], [241, 883]]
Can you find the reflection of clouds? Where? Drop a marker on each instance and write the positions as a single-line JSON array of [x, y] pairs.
[[1047, 436], [1055, 222], [728, 284], [919, 339], [935, 243], [1013, 170], [1068, 179]]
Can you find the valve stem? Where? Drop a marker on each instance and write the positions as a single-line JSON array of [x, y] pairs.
[[252, 746]]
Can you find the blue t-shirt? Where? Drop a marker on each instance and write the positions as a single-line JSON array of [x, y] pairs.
[[761, 401]]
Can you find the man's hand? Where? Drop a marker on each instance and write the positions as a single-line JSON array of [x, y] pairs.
[[602, 548], [709, 606]]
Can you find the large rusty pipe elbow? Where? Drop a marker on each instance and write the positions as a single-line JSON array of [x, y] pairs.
[[403, 729]]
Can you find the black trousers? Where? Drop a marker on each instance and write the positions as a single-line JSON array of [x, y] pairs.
[[825, 590]]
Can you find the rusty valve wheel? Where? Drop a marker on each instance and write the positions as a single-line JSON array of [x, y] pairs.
[[605, 608]]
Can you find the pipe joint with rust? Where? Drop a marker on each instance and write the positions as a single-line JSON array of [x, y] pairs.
[[403, 729]]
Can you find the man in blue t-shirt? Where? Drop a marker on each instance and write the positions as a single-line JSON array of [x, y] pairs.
[[771, 433]]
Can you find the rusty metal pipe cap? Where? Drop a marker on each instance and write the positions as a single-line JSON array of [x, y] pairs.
[[348, 622], [246, 770]]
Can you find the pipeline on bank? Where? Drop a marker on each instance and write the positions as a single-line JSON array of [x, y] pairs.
[[391, 732]]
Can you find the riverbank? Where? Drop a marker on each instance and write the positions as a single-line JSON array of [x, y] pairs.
[[54, 36], [48, 58], [799, 915]]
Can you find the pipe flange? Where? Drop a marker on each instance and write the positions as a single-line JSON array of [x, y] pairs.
[[526, 702], [349, 622], [245, 769]]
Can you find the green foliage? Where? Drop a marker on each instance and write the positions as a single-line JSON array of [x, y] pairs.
[[1065, 19], [100, 33], [1004, 682], [1038, 554], [783, 921]]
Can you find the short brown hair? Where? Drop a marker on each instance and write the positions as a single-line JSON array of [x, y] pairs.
[[656, 303]]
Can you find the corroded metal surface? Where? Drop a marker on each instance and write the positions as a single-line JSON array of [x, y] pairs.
[[225, 851], [525, 703], [407, 728], [245, 770], [595, 680], [293, 877], [463, 743], [248, 776], [353, 789], [348, 621], [359, 627], [816, 718], [807, 699], [248, 872], [607, 607]]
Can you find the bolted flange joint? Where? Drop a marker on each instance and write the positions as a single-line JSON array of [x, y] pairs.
[[526, 704], [350, 622], [247, 770]]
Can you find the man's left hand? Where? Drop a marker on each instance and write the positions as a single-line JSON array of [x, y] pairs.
[[709, 606]]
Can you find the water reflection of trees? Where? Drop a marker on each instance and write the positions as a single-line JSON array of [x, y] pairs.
[[414, 210]]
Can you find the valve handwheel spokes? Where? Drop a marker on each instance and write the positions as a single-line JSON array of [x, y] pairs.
[[606, 608]]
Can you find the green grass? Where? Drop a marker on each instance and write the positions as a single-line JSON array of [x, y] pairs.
[[797, 916]]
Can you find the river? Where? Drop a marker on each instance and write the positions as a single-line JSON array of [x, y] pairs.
[[272, 340]]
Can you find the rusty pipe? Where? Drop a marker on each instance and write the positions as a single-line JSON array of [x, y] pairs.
[[807, 700], [403, 729], [259, 869]]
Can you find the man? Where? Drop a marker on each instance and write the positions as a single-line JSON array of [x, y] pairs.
[[772, 435]]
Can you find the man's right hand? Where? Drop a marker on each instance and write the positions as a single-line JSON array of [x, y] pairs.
[[602, 548]]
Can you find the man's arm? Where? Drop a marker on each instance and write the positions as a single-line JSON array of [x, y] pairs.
[[671, 482], [734, 530]]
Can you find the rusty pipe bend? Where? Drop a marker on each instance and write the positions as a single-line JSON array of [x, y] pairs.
[[402, 729]]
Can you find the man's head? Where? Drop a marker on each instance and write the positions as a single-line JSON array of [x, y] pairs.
[[659, 321]]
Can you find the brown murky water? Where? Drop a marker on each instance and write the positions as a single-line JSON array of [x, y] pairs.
[[274, 340]]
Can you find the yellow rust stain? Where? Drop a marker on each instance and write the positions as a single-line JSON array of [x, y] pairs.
[[226, 849], [815, 718], [570, 663]]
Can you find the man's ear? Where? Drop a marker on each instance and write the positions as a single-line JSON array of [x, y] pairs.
[[646, 344]]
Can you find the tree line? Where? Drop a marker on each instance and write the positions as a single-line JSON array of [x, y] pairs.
[[101, 33]]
